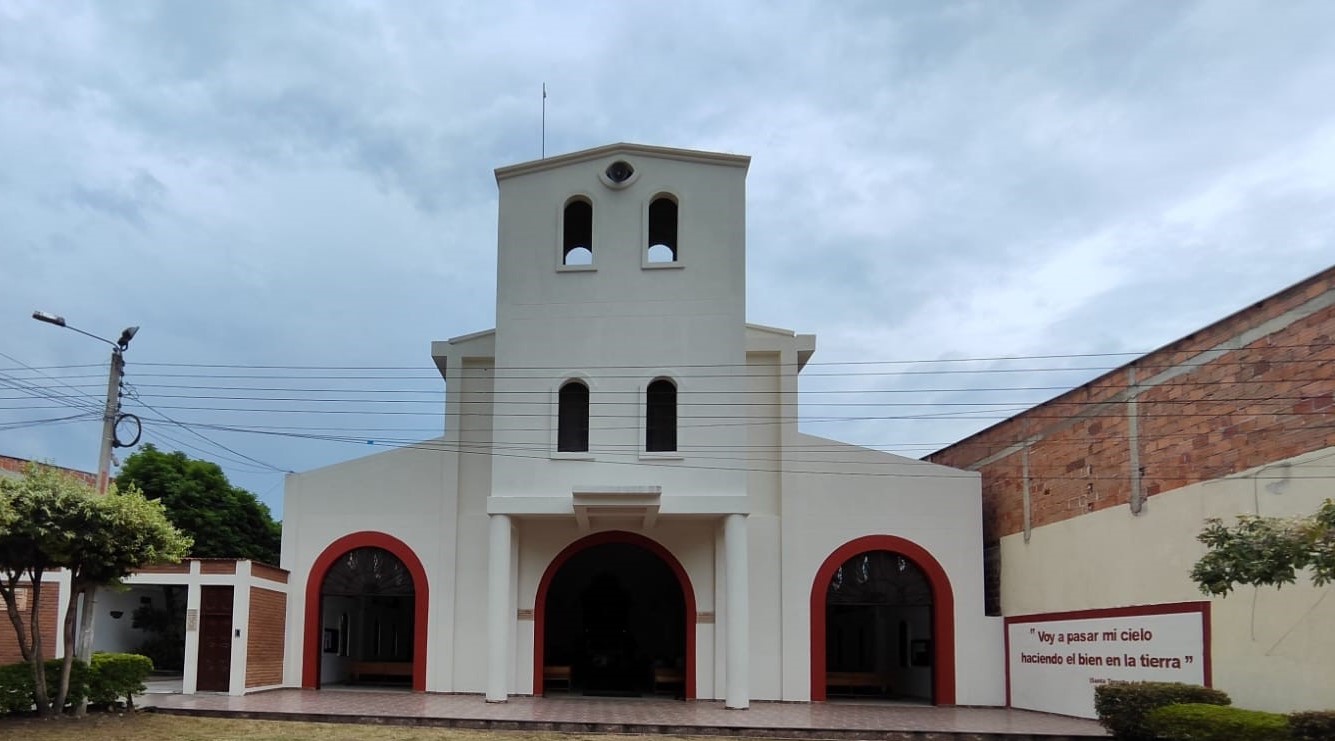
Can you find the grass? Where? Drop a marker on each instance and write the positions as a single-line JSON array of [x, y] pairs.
[[155, 727]]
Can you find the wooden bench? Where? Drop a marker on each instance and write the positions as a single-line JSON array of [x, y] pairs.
[[668, 679], [552, 675], [858, 681], [381, 669]]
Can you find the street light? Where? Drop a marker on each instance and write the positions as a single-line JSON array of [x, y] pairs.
[[111, 414]]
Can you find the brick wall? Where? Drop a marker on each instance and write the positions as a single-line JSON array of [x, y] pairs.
[[165, 568], [9, 642], [1253, 388], [16, 466], [264, 645], [272, 573]]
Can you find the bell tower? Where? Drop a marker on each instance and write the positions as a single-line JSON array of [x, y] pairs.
[[622, 270]]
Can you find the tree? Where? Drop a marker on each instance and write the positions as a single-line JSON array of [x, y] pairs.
[[225, 521], [1267, 551], [50, 519], [25, 531]]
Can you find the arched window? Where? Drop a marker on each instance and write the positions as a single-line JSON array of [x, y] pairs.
[[577, 232], [660, 419], [572, 428], [662, 229]]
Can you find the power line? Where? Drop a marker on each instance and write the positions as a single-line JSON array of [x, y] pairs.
[[208, 440], [716, 366], [179, 444], [797, 467], [901, 361], [26, 423]]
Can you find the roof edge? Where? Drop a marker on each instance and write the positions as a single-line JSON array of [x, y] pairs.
[[683, 155]]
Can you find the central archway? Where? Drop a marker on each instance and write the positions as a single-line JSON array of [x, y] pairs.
[[603, 581]]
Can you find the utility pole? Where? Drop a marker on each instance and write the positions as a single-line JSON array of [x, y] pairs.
[[110, 416]]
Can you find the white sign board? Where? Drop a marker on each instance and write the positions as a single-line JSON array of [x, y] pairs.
[[1054, 661]]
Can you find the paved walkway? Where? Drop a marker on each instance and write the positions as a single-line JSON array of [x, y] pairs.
[[792, 720]]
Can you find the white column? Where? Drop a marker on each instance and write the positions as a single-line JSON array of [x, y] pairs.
[[240, 629], [500, 619], [190, 668], [738, 695]]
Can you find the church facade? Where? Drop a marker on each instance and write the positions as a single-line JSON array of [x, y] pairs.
[[621, 502]]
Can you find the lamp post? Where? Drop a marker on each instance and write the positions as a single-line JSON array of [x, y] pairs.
[[112, 410], [110, 415]]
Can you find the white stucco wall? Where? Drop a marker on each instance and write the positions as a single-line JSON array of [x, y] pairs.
[[116, 634], [408, 493], [1272, 649], [853, 492]]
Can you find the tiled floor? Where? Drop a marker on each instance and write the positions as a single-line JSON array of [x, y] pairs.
[[622, 714]]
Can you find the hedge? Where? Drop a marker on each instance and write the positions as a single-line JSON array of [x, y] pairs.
[[16, 688], [1204, 722], [1316, 725], [116, 676], [1122, 706], [112, 677]]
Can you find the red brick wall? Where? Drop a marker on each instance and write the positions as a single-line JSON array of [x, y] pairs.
[[17, 465], [264, 644], [9, 642], [165, 568], [272, 573], [1266, 398]]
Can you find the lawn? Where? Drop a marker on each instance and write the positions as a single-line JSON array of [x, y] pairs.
[[155, 727]]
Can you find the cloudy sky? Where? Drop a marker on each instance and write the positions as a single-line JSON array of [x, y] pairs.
[[308, 186]]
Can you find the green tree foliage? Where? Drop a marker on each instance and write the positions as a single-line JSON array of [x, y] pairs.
[[49, 519], [1267, 551], [225, 521]]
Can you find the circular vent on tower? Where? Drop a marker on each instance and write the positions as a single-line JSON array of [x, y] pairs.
[[619, 174]]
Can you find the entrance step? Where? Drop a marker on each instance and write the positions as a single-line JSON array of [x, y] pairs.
[[643, 716]]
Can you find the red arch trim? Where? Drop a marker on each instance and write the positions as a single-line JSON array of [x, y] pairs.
[[943, 611], [612, 536], [310, 663]]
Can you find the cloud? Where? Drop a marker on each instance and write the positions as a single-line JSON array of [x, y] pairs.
[[310, 183], [127, 201]]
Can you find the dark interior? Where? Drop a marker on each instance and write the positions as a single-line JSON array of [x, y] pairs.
[[615, 616]]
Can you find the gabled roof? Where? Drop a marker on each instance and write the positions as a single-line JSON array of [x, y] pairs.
[[683, 155]]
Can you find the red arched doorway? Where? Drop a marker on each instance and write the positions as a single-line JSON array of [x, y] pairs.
[[314, 634], [614, 537], [943, 611]]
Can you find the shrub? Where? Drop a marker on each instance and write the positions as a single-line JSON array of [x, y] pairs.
[[116, 676], [1313, 725], [1204, 722], [16, 691], [15, 688], [1122, 706]]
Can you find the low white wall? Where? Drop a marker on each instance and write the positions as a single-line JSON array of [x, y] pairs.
[[1272, 649]]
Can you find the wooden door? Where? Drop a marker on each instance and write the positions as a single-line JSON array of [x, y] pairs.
[[214, 673]]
